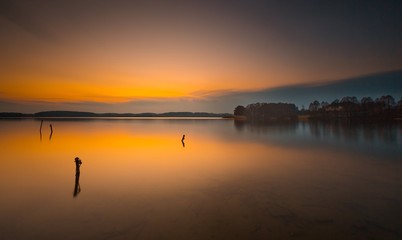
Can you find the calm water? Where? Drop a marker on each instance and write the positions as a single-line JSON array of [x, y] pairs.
[[229, 181]]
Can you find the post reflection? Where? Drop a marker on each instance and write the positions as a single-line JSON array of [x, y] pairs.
[[77, 188]]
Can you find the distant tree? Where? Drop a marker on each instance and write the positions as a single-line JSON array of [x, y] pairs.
[[400, 107], [239, 111], [349, 106], [314, 106], [368, 106], [349, 100], [366, 100], [261, 112], [335, 102], [324, 104], [387, 100], [383, 108]]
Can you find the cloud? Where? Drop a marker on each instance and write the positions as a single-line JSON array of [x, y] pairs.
[[374, 85], [211, 93]]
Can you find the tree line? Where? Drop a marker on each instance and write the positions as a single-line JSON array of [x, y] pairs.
[[384, 107], [267, 111]]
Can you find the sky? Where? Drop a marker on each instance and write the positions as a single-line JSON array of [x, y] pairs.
[[161, 56]]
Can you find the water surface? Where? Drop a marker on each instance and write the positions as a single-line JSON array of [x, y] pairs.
[[306, 180]]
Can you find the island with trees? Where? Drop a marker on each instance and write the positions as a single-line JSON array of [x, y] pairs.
[[383, 108], [262, 112]]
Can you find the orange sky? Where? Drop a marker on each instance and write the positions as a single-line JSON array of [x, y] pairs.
[[118, 52]]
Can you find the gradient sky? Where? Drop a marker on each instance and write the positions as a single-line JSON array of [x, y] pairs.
[[139, 56]]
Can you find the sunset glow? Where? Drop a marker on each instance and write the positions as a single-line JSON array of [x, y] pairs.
[[122, 52]]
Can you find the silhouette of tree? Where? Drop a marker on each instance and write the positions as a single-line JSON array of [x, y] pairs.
[[383, 108], [366, 100], [314, 106], [270, 111], [335, 102], [400, 107], [388, 101], [350, 100], [239, 111]]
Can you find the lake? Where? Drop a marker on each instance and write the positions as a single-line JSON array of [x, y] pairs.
[[304, 180]]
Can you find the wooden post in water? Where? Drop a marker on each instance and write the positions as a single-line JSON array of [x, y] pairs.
[[40, 129], [51, 132], [77, 187], [182, 140], [78, 163]]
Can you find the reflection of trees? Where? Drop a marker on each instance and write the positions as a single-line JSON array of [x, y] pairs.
[[388, 133], [340, 130], [317, 129], [288, 127], [239, 125], [354, 131], [368, 133]]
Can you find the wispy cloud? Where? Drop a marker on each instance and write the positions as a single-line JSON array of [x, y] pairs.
[[212, 93]]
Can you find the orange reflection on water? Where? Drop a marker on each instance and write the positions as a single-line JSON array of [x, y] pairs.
[[137, 173], [124, 155]]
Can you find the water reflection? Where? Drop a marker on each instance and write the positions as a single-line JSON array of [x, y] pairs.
[[77, 187], [356, 132], [40, 131], [278, 127], [305, 180], [343, 131]]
